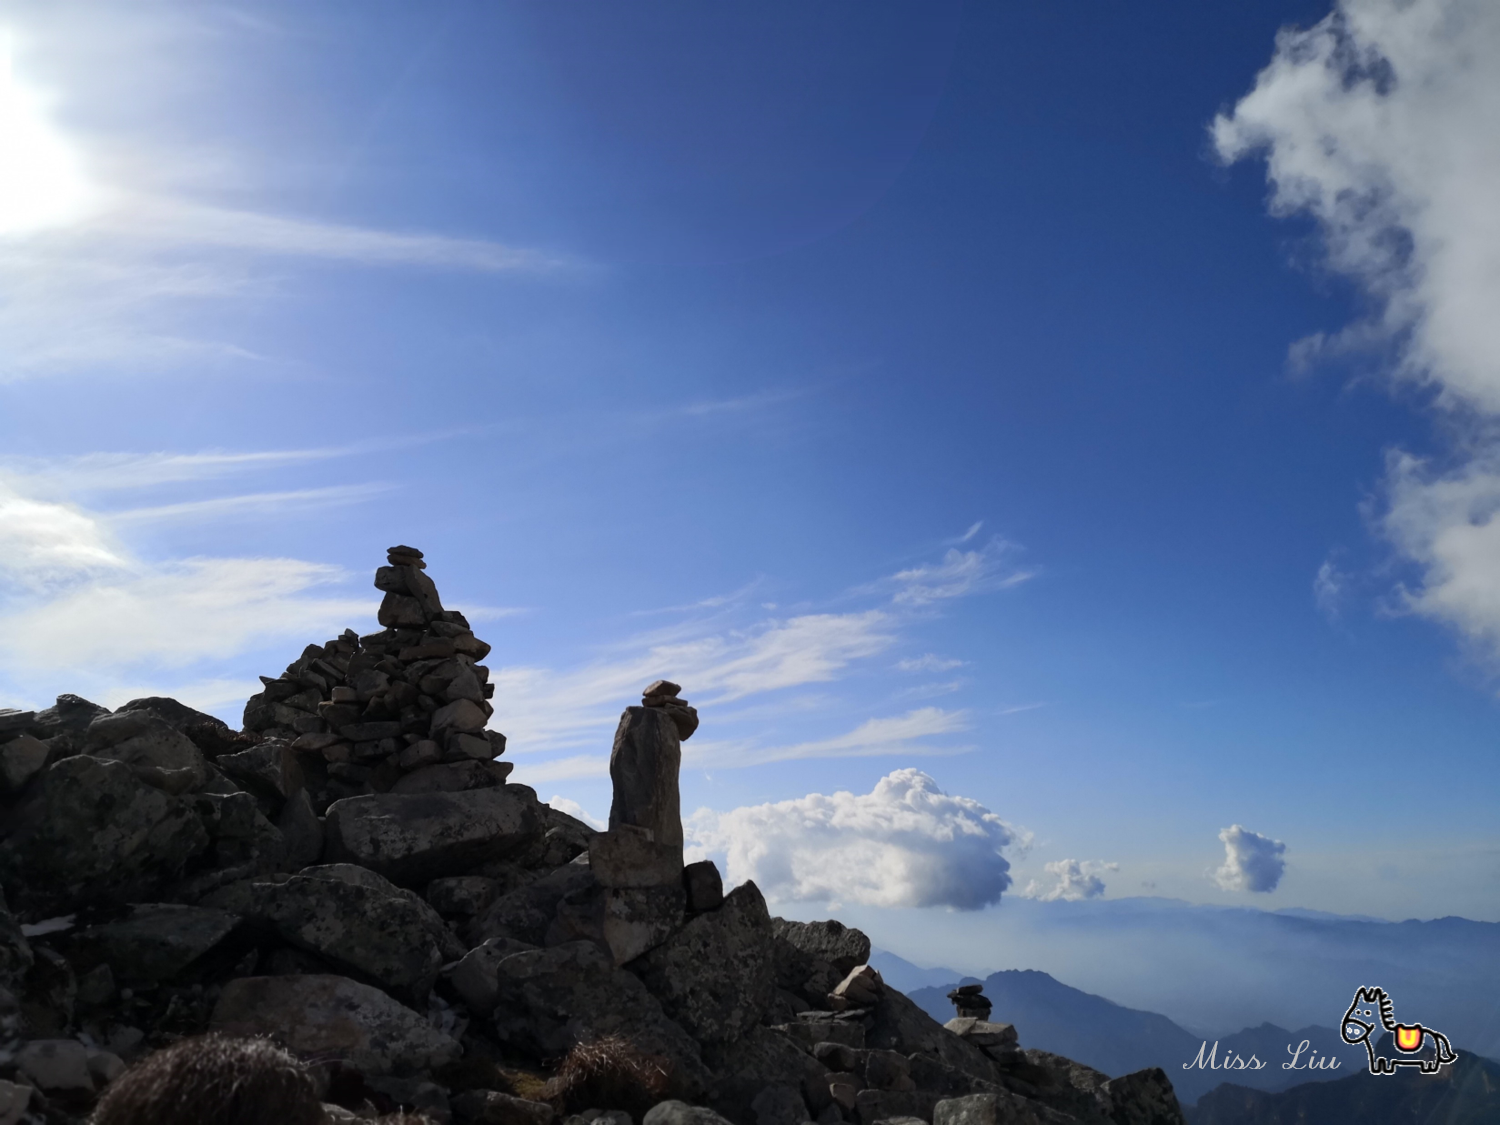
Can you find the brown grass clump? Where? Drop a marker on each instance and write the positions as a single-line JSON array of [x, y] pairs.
[[609, 1073], [213, 1079]]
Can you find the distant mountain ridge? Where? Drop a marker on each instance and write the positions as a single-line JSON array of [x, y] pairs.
[[1051, 1016]]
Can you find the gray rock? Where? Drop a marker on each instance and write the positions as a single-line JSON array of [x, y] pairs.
[[302, 831], [93, 831], [549, 999], [154, 941], [269, 769], [1001, 1108], [105, 1067], [426, 1098], [462, 716], [839, 1056], [1144, 1097], [462, 894], [681, 1113], [96, 987], [779, 1104], [71, 713], [880, 1105], [981, 1033], [841, 946], [158, 754], [491, 1107], [16, 957], [212, 736], [526, 912], [643, 765], [634, 920], [810, 1032], [861, 988], [897, 1024], [356, 920], [413, 838], [334, 1017], [21, 759], [763, 1057], [476, 977], [454, 777], [715, 976], [886, 1070], [13, 722], [628, 857], [704, 886], [14, 1098], [56, 1065]]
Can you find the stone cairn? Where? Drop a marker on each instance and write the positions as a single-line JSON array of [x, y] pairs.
[[356, 877], [381, 710]]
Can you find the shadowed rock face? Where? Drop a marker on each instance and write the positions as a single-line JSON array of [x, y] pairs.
[[161, 877], [643, 765]]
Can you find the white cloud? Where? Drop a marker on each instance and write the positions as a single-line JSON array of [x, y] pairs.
[[1252, 862], [906, 843], [1075, 881], [928, 663], [959, 574], [1379, 122], [873, 738], [1328, 588], [578, 812]]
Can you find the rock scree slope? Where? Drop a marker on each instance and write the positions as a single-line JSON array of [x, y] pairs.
[[355, 875]]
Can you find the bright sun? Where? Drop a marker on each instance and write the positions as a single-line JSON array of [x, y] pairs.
[[41, 181]]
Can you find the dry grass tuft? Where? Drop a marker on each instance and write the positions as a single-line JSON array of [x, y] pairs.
[[609, 1073]]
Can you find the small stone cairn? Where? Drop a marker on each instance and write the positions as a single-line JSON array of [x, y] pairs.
[[382, 709], [997, 1040]]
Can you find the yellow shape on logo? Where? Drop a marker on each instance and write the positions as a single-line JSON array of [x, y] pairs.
[[1408, 1038]]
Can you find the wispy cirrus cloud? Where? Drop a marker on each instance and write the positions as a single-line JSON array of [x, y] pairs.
[[959, 574]]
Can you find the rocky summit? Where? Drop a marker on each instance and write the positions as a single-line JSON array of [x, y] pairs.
[[354, 875]]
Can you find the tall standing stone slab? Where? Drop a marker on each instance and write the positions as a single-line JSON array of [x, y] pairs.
[[643, 766]]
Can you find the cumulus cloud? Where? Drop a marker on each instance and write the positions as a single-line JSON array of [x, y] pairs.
[[905, 843], [1252, 862], [1074, 881], [578, 812], [1378, 122]]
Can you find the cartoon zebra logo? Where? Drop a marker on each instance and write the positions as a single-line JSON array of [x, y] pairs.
[[1408, 1038]]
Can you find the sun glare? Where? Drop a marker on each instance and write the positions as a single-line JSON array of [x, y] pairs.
[[41, 181]]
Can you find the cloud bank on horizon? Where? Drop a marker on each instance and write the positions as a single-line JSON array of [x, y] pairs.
[[905, 843], [1378, 122]]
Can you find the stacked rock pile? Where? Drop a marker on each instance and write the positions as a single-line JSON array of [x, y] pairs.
[[972, 1024], [383, 710], [445, 950]]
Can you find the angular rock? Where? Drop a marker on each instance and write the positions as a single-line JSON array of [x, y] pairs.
[[549, 999], [16, 957], [838, 1056], [779, 1104], [715, 976], [896, 1023], [525, 913], [14, 1098], [461, 894], [356, 920], [704, 886], [413, 838], [861, 988], [105, 1067], [158, 754], [21, 759], [1143, 1097], [637, 919], [1001, 1108], [334, 1017], [462, 716], [628, 857], [880, 1105], [56, 1065], [681, 1113], [269, 769], [302, 831], [71, 713], [811, 1032], [454, 777], [981, 1033], [154, 941], [841, 946], [763, 1057], [401, 611], [210, 735], [886, 1070], [476, 977], [491, 1107], [644, 765], [93, 831]]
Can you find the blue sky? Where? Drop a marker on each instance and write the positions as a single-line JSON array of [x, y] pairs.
[[926, 388]]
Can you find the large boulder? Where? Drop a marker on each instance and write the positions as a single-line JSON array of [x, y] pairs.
[[643, 765], [94, 831], [715, 976], [549, 999], [336, 1018], [360, 922], [71, 714], [211, 735], [1143, 1097], [158, 754], [841, 946], [413, 838], [151, 942], [526, 913], [763, 1057], [896, 1023]]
